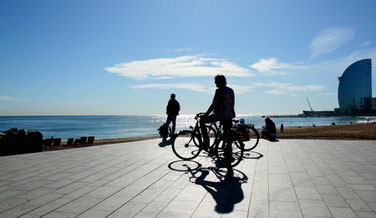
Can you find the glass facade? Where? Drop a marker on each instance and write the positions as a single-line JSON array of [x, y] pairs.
[[355, 87]]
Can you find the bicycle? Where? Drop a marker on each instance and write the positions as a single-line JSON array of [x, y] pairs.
[[187, 145], [246, 132]]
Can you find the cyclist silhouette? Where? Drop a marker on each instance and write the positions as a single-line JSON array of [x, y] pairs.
[[221, 109]]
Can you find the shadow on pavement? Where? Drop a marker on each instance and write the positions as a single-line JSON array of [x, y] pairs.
[[184, 166], [225, 187], [227, 191], [252, 155]]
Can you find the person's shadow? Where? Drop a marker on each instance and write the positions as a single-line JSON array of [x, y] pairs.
[[227, 192], [166, 142]]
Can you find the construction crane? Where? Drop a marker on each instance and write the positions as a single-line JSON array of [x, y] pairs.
[[309, 104]]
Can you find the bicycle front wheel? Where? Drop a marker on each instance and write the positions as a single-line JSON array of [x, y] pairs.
[[184, 146], [253, 141], [230, 156]]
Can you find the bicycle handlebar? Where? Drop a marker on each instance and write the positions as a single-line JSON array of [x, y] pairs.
[[199, 115]]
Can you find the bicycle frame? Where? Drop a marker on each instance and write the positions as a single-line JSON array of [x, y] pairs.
[[229, 152]]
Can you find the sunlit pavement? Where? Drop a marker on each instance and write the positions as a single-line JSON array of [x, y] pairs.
[[289, 178]]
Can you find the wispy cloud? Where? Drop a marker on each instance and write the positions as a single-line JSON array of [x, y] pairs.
[[191, 86], [332, 67], [369, 52], [287, 88], [328, 40], [183, 66], [9, 98], [364, 44], [272, 66]]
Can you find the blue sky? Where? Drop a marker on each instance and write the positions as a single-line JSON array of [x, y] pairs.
[[127, 57]]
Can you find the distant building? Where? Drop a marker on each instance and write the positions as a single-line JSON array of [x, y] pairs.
[[355, 89], [354, 93]]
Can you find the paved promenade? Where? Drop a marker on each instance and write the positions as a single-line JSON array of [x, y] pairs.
[[289, 178]]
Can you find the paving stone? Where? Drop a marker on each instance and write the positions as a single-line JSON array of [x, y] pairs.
[[17, 211], [71, 187], [367, 196], [93, 213], [59, 184], [314, 208], [285, 214], [334, 201], [307, 193], [282, 193], [348, 194], [358, 205], [235, 213], [284, 206], [79, 205], [342, 212], [259, 206], [152, 210], [102, 192], [171, 214], [362, 214], [112, 203], [10, 203], [51, 206], [42, 200], [128, 210], [182, 205], [60, 215], [363, 187], [327, 189], [10, 193]]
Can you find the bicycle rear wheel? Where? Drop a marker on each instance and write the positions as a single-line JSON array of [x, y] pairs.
[[230, 156], [184, 146], [253, 141]]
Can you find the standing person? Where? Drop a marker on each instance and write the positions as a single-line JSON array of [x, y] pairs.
[[221, 109], [172, 111], [281, 128]]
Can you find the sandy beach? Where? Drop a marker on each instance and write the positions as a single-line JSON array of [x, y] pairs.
[[362, 131]]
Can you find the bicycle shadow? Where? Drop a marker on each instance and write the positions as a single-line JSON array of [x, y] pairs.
[[252, 155], [226, 192], [184, 166]]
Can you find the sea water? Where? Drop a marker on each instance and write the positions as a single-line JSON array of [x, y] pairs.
[[105, 127]]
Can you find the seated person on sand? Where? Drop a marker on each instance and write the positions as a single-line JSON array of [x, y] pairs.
[[269, 131]]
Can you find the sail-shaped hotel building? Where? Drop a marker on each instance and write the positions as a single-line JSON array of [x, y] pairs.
[[355, 88], [354, 93]]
